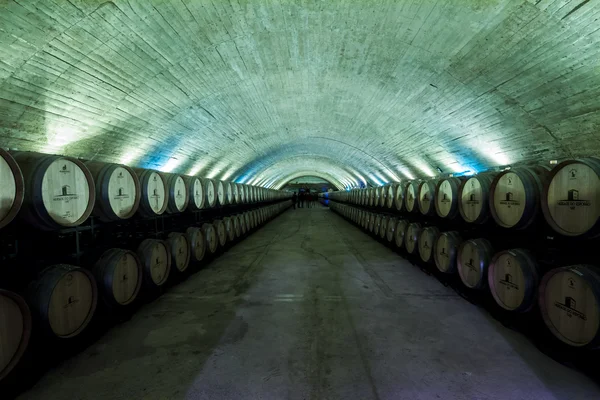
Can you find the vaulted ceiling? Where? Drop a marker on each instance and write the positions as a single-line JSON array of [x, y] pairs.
[[265, 91]]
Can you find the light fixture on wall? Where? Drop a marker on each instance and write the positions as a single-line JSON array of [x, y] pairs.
[[553, 162]]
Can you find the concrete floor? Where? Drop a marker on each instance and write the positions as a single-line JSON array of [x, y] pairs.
[[309, 307]]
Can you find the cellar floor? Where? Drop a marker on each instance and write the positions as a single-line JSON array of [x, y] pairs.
[[309, 307]]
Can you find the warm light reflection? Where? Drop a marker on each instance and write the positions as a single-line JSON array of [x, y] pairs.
[[59, 135]]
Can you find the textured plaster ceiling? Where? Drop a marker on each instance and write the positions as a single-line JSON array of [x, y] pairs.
[[265, 91]]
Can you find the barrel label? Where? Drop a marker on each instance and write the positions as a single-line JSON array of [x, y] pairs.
[[569, 308], [471, 265], [71, 301], [65, 195]]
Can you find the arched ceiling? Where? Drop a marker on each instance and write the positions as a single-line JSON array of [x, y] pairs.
[[264, 91]]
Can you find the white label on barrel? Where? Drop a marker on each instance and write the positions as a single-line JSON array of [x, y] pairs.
[[442, 253], [469, 271], [210, 192], [410, 197], [425, 198], [444, 198], [65, 191], [572, 308], [159, 262], [471, 199], [180, 193], [121, 192], [156, 192], [509, 199], [221, 193], [70, 303], [9, 190], [508, 282], [198, 192], [573, 198], [125, 278], [11, 330]]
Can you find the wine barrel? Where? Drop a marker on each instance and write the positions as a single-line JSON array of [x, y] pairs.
[[400, 233], [391, 195], [446, 250], [513, 278], [242, 190], [446, 197], [178, 197], [474, 194], [229, 193], [384, 226], [380, 195], [180, 251], [410, 196], [236, 193], [571, 199], [229, 228], [474, 258], [63, 298], [221, 194], [515, 196], [399, 203], [118, 191], [59, 191], [15, 330], [155, 256], [237, 229], [154, 192], [426, 199], [411, 238], [118, 273], [377, 224], [372, 219], [195, 190], [197, 243], [210, 235], [221, 232], [247, 221], [242, 223], [427, 240], [391, 229], [569, 300], [11, 196], [211, 193]]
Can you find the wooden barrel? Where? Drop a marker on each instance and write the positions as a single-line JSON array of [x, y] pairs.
[[195, 190], [410, 196], [242, 223], [180, 251], [390, 195], [427, 240], [513, 279], [236, 193], [178, 197], [384, 226], [247, 221], [400, 232], [390, 233], [399, 203], [242, 191], [377, 224], [221, 193], [446, 250], [569, 300], [372, 219], [571, 199], [155, 256], [237, 228], [381, 196], [118, 273], [154, 192], [426, 199], [118, 191], [11, 196], [59, 191], [210, 235], [63, 298], [411, 238], [474, 258], [515, 196], [229, 197], [197, 243], [229, 228], [210, 192], [446, 197], [474, 195], [221, 232], [15, 331]]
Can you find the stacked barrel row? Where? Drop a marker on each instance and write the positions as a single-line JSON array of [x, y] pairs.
[[52, 192], [568, 196], [568, 297], [62, 300]]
